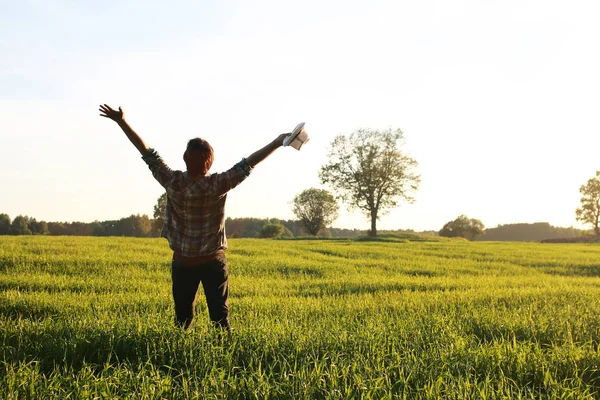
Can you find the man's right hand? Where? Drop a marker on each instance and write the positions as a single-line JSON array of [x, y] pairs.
[[115, 115], [266, 151]]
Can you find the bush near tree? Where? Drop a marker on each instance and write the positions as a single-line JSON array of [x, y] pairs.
[[315, 209], [270, 231], [463, 226]]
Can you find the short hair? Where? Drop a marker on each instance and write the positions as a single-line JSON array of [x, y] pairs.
[[199, 156]]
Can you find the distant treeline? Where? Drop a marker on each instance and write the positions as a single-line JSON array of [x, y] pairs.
[[134, 225], [143, 226], [534, 232]]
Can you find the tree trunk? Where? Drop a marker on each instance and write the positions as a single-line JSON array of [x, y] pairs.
[[373, 231]]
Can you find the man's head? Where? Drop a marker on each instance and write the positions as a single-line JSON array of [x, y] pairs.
[[198, 156]]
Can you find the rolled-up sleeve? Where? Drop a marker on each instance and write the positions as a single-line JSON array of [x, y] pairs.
[[161, 172], [233, 177]]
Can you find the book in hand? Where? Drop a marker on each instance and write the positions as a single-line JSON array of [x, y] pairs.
[[297, 138]]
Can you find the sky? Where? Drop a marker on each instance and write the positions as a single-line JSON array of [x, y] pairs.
[[498, 100]]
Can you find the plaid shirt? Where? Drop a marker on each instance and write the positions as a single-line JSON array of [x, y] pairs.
[[195, 215]]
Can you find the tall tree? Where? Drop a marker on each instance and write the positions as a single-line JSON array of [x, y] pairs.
[[589, 211], [369, 171], [159, 214], [316, 209], [463, 226]]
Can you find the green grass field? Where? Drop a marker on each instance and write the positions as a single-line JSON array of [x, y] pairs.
[[409, 317]]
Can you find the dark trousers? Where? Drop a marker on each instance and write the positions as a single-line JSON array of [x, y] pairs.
[[186, 279]]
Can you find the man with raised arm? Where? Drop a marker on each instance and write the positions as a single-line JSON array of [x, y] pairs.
[[195, 219]]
